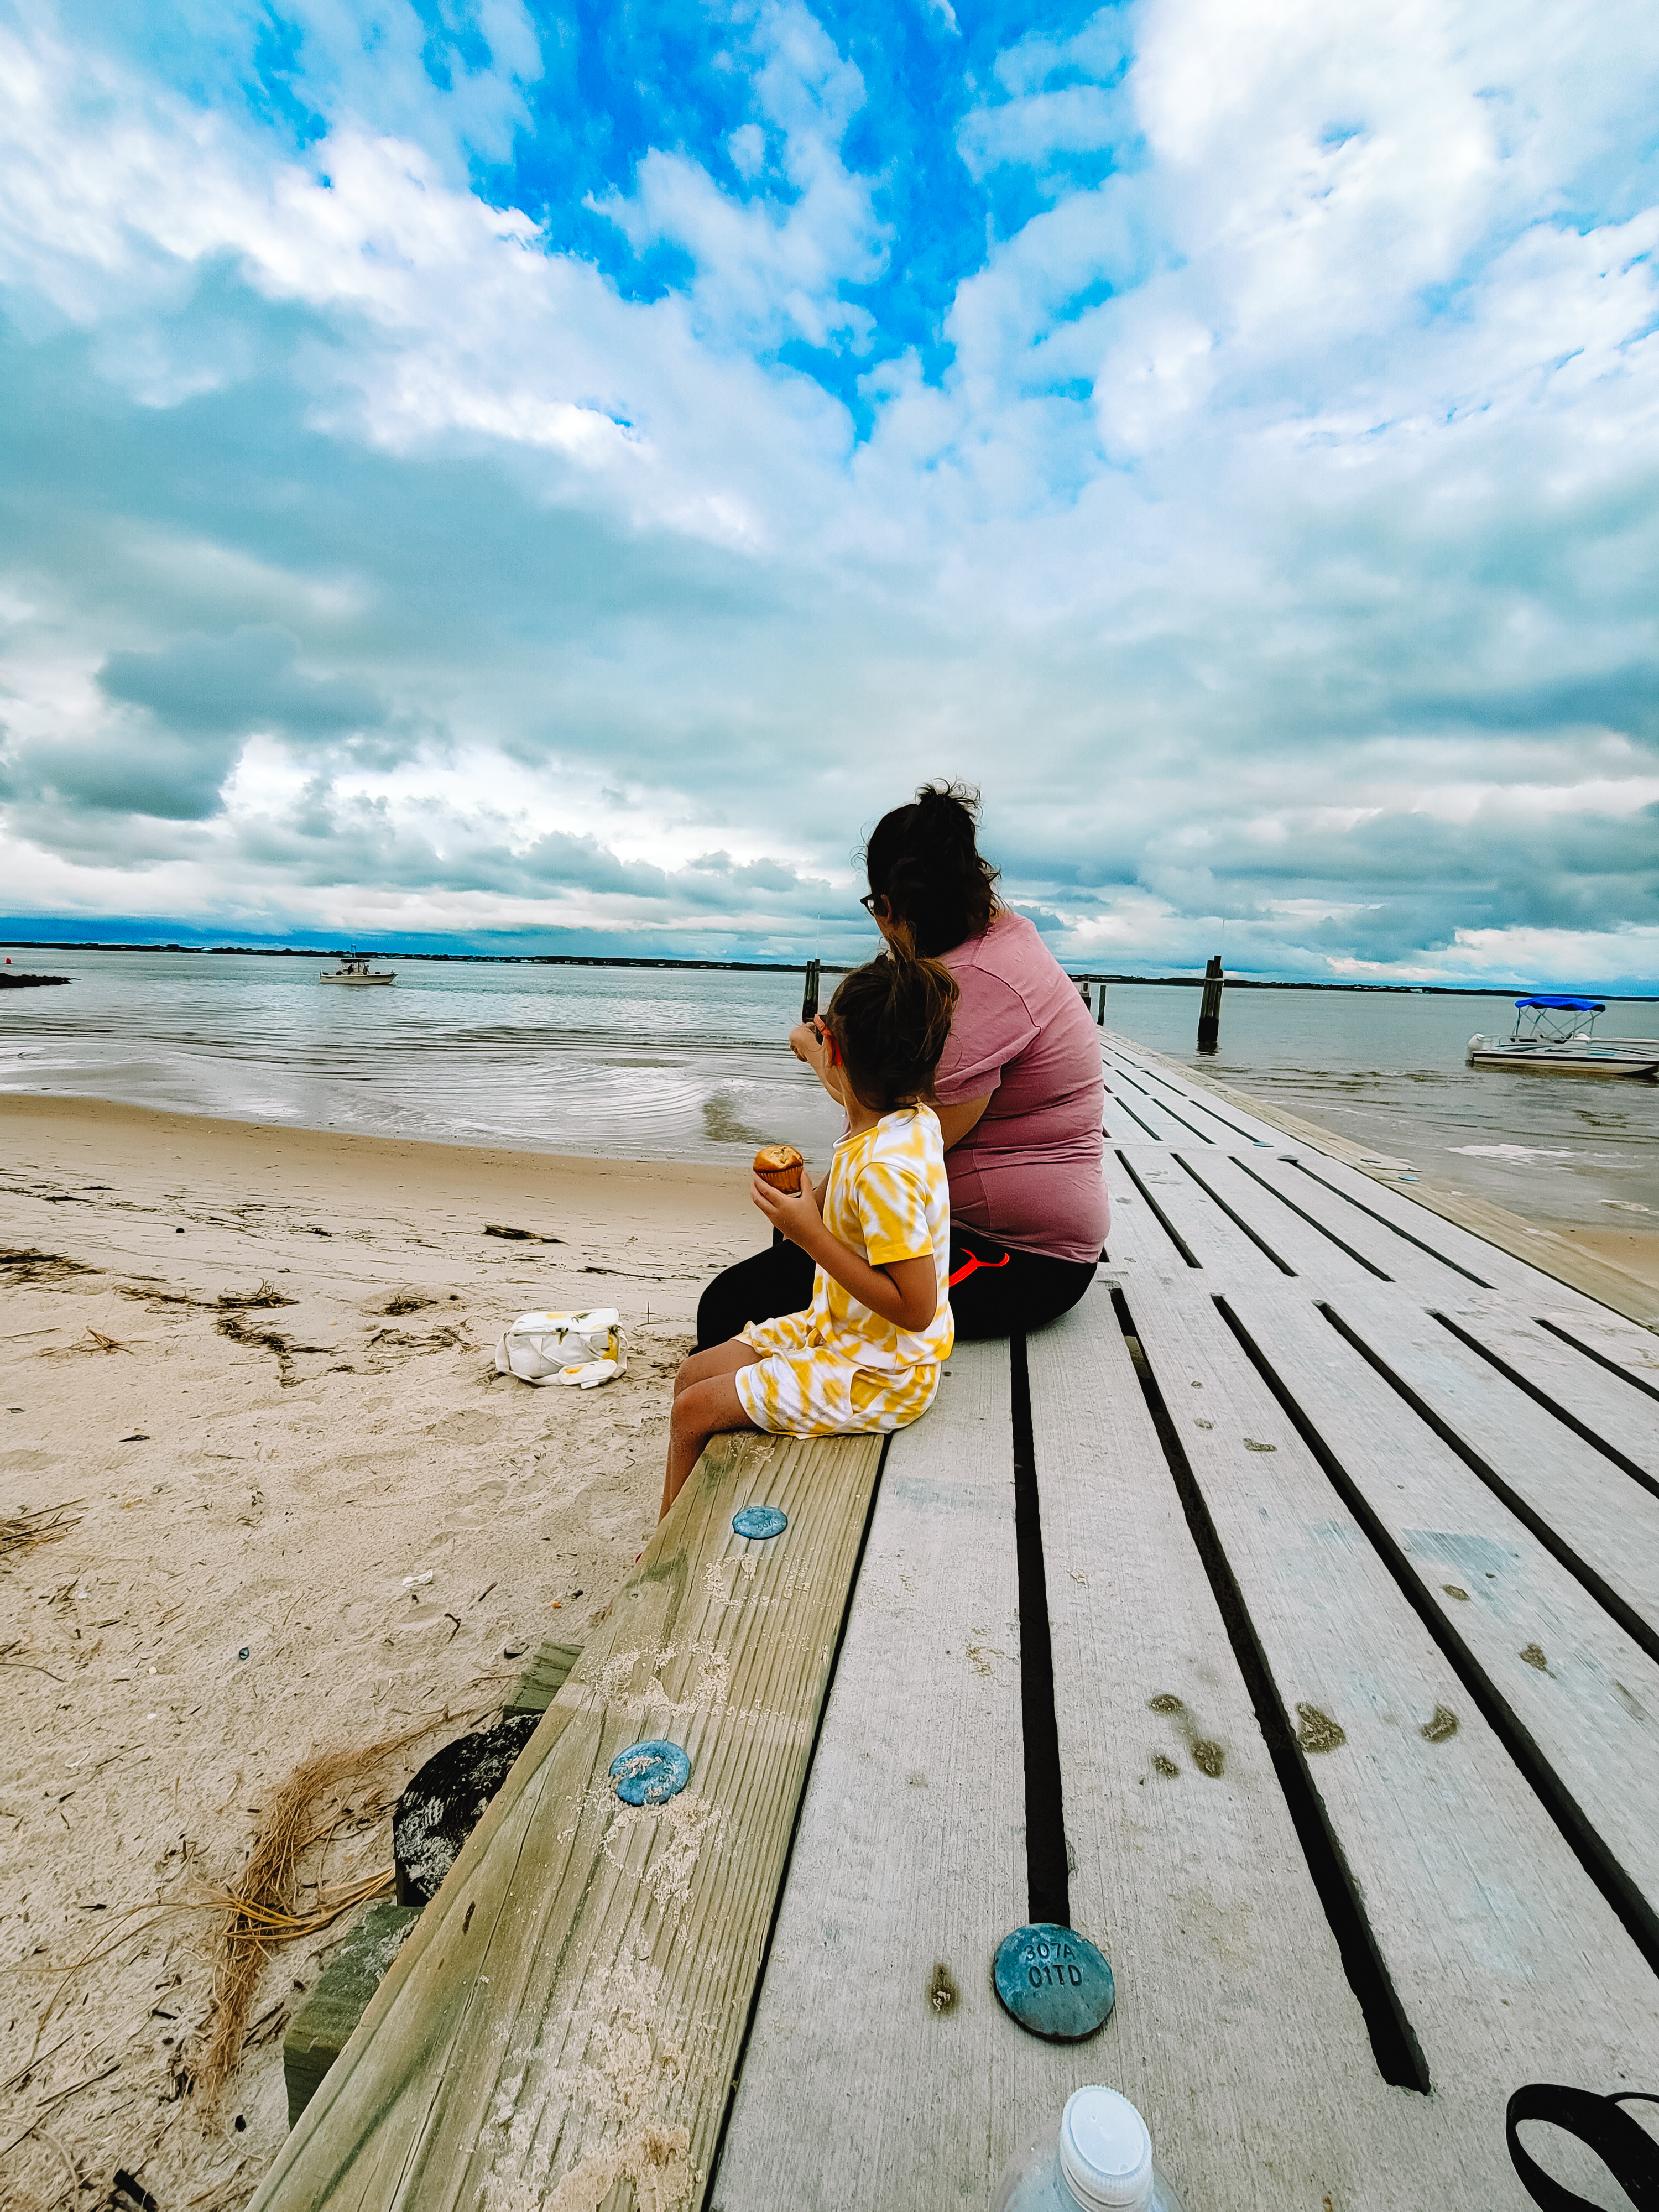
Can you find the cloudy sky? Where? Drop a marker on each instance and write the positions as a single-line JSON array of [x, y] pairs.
[[497, 470]]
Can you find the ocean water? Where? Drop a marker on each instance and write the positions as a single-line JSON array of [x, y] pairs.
[[682, 1064], [628, 1063]]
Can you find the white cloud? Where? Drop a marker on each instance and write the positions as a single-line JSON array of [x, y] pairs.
[[1287, 500]]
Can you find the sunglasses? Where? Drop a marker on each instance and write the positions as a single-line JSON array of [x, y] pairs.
[[826, 1037], [871, 900]]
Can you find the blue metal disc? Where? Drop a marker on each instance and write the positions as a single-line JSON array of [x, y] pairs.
[[760, 1521], [1054, 1982], [647, 1773]]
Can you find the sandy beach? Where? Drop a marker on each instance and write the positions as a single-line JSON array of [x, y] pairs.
[[290, 1529]]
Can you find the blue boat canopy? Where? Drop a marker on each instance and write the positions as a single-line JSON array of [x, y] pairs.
[[1566, 1006]]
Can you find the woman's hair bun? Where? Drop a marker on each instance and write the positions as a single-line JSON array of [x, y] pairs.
[[924, 859]]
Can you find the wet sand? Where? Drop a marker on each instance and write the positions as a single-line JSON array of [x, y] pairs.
[[1635, 1250], [359, 1503]]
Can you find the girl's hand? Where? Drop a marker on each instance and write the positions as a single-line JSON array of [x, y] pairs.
[[793, 1212]]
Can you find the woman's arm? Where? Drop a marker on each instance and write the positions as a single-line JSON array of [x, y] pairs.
[[905, 1292], [955, 1122]]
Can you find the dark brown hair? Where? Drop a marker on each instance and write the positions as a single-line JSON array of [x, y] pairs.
[[890, 1019], [924, 859]]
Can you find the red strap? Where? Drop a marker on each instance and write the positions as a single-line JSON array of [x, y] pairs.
[[970, 1263]]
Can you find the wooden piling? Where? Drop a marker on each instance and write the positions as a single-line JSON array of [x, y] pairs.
[[1209, 1011], [809, 1004]]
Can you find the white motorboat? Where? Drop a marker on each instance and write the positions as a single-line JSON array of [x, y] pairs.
[[355, 969], [1554, 1035]]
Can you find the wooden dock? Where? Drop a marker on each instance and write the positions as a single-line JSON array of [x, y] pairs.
[[1342, 1742]]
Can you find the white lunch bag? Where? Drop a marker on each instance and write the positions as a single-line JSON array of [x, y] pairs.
[[581, 1348]]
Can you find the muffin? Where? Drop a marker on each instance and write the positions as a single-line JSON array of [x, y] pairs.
[[780, 1165]]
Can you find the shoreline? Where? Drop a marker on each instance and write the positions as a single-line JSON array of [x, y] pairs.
[[387, 951], [501, 1160], [1622, 1260]]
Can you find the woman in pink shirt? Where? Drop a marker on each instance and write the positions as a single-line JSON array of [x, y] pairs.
[[1020, 1093]]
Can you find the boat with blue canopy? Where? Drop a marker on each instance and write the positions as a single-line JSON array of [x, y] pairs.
[[1554, 1035]]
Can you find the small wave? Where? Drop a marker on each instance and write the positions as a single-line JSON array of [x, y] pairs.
[[1515, 1152]]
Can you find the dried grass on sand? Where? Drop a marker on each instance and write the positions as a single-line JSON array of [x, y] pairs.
[[260, 1914], [20, 1532]]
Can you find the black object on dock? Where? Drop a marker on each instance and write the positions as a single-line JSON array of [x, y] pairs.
[[445, 1801], [1209, 1010]]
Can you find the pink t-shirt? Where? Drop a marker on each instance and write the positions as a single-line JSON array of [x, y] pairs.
[[1030, 1173]]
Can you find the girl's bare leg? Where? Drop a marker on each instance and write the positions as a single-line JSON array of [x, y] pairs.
[[718, 1359], [706, 1407]]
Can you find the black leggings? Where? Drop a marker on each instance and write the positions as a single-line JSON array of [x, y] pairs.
[[1007, 1294]]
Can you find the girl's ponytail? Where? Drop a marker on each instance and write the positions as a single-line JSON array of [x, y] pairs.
[[891, 1019]]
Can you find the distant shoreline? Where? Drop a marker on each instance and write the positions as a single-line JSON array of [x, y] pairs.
[[782, 968]]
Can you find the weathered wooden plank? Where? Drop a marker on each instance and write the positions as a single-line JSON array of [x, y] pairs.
[[543, 1678], [1152, 1120], [881, 2070], [1605, 1338], [561, 2028], [1193, 1100], [1487, 1226], [1236, 2030], [321, 2029], [1624, 1418], [1503, 1266], [1189, 1119], [1607, 1519], [1119, 1125], [1326, 1261], [1509, 1962], [1417, 1259], [1220, 1245], [1587, 1696]]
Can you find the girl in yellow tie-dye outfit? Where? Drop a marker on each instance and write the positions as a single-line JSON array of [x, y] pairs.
[[866, 1354]]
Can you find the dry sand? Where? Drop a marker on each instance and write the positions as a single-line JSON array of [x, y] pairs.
[[359, 1503]]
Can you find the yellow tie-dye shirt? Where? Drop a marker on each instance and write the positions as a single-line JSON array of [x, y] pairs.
[[840, 1366]]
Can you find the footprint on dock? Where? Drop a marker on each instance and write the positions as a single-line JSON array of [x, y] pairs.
[[1317, 1731], [1209, 1757], [943, 1995]]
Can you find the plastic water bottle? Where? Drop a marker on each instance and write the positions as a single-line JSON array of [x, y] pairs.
[[1100, 2160]]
